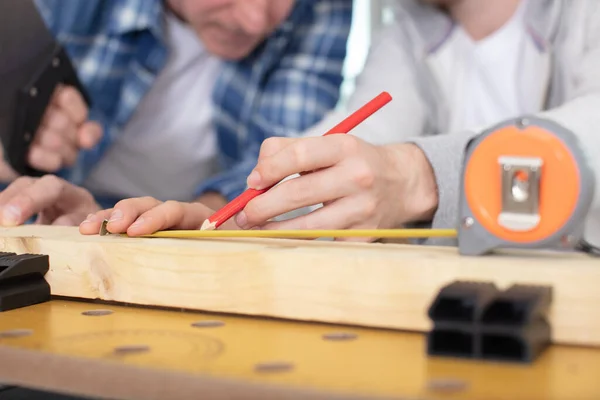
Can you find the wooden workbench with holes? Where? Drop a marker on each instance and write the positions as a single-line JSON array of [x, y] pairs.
[[269, 318]]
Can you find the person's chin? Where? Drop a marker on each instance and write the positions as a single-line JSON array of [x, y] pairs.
[[227, 45], [231, 52]]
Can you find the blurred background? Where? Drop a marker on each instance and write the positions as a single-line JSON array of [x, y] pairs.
[[370, 16]]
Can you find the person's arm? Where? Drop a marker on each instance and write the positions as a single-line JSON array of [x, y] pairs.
[[580, 114], [299, 91], [389, 67]]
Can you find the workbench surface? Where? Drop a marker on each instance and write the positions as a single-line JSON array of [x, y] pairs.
[[156, 354]]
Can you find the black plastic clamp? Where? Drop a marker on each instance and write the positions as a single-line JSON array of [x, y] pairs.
[[22, 280], [476, 320]]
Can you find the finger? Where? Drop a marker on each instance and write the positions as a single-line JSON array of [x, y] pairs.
[[340, 214], [45, 160], [92, 223], [274, 145], [7, 173], [51, 139], [46, 217], [308, 190], [127, 211], [308, 154], [170, 215], [53, 105], [14, 188], [70, 100], [89, 134], [53, 142], [33, 199], [57, 120]]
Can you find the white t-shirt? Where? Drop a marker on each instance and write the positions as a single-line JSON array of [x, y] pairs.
[[169, 145], [489, 80]]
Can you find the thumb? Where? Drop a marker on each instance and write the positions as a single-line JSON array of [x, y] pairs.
[[7, 174]]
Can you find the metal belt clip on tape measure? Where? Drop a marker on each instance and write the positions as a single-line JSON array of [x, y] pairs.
[[526, 183]]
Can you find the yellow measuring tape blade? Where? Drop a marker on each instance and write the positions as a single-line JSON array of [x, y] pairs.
[[298, 234], [308, 234]]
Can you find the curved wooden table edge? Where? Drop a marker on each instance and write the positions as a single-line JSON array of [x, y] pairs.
[[88, 377]]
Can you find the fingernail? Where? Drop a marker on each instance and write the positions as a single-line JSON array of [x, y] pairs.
[[241, 219], [91, 218], [253, 180], [11, 215], [137, 222], [116, 215]]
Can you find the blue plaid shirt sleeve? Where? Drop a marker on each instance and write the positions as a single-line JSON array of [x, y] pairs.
[[302, 88]]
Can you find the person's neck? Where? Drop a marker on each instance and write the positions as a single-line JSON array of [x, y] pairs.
[[481, 18]]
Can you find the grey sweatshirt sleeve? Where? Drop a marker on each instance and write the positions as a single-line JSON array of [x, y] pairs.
[[445, 154]]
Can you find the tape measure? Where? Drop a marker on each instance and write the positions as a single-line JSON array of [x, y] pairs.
[[526, 183]]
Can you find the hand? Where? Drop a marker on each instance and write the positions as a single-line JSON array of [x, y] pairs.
[[54, 200], [361, 185], [64, 130], [146, 215], [212, 200]]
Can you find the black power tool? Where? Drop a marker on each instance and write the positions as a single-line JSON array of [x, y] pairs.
[[32, 64]]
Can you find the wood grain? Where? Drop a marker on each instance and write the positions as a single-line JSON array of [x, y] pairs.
[[376, 285]]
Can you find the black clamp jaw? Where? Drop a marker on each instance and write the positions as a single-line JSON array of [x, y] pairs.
[[22, 280], [31, 103], [476, 320]]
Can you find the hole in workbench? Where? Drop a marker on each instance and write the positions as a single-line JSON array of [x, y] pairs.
[[274, 366], [340, 336], [96, 313], [208, 324], [131, 349], [446, 385], [15, 333]]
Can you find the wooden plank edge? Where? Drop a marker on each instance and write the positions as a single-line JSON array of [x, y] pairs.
[[111, 380], [381, 286]]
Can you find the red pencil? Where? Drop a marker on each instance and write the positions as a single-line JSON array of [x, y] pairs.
[[238, 204]]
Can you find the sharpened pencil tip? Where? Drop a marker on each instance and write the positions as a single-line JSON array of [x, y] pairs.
[[208, 226]]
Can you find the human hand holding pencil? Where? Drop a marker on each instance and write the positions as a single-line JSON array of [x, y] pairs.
[[272, 147], [360, 184]]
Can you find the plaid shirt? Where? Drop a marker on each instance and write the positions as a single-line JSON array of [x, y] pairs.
[[282, 88]]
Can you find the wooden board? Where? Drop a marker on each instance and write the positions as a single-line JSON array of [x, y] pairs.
[[376, 285], [68, 351]]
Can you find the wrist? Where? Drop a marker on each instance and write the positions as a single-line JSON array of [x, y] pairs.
[[417, 180]]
